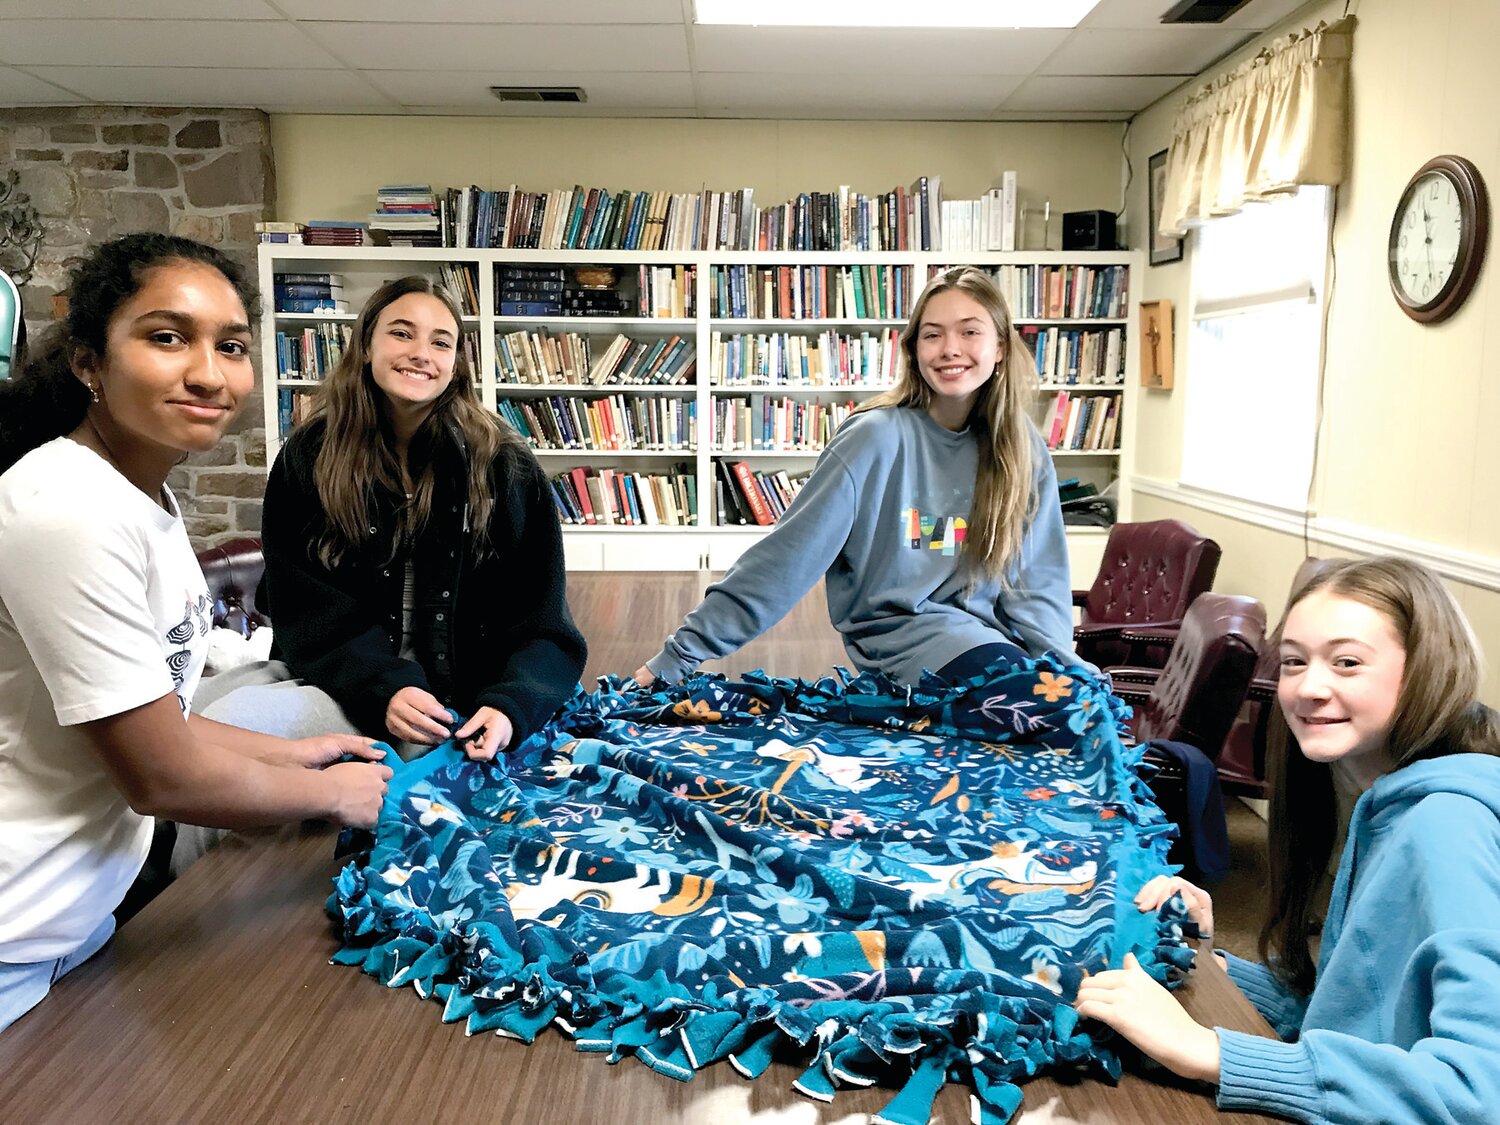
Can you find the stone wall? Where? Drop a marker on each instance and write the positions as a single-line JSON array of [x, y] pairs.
[[95, 172]]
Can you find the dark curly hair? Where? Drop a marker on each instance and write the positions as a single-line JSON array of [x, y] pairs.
[[46, 400]]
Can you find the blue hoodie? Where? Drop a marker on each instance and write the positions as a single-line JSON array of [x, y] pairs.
[[882, 519], [1403, 1024]]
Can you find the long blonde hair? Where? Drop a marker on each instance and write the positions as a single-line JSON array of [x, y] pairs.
[[1437, 713], [358, 458], [1004, 499]]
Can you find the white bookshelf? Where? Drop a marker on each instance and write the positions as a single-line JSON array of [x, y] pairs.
[[678, 548]]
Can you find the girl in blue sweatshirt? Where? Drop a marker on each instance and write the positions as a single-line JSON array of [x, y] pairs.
[[933, 515], [1394, 1015]]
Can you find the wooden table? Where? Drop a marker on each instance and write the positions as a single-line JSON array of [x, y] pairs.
[[217, 1004]]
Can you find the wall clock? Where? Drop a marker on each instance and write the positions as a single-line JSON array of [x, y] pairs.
[[1438, 238]]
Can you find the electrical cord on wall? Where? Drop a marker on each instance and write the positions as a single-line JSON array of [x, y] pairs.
[[1333, 276], [1129, 176]]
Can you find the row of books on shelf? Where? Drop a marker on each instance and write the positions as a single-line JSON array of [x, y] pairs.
[[860, 292], [829, 359], [312, 353], [1064, 292], [291, 408], [586, 496], [1082, 422], [309, 292], [557, 291], [594, 218], [652, 423], [765, 424], [1077, 355], [462, 281], [743, 495], [541, 358], [316, 232], [407, 214]]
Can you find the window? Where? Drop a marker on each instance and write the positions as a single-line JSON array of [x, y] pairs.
[[1254, 350]]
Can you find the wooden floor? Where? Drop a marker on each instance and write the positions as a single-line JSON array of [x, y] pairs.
[[626, 615]]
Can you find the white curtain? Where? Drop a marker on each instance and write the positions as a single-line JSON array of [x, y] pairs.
[[1267, 127]]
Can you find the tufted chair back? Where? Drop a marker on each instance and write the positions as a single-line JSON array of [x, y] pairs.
[[233, 570], [1198, 694], [1150, 574]]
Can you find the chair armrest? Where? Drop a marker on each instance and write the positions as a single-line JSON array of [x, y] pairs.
[[1262, 690], [1158, 632], [1129, 674], [1094, 631], [1133, 694]]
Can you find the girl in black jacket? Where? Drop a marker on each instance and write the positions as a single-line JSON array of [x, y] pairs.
[[413, 556]]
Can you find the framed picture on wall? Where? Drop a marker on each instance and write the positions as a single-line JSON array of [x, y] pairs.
[[1163, 250]]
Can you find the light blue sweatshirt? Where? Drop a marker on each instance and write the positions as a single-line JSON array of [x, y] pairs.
[[1403, 1025], [895, 588]]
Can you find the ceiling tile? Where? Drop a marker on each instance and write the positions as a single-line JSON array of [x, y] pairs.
[[1061, 95], [545, 109], [1166, 50], [821, 95], [657, 89], [486, 11], [1256, 15], [17, 88], [164, 43], [140, 9], [139, 85], [872, 51], [554, 49]]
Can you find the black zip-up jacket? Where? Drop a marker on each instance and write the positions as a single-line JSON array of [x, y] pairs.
[[492, 632]]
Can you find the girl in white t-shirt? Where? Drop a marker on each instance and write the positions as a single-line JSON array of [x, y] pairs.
[[104, 613]]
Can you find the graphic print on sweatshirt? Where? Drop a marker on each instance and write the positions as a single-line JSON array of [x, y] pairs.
[[194, 623], [926, 532]]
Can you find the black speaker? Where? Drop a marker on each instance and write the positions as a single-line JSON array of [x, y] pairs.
[[1088, 230]]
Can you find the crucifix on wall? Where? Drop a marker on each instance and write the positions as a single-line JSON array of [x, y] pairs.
[[1156, 344]]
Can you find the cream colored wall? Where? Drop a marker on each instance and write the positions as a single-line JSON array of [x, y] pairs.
[[328, 167], [1411, 413]]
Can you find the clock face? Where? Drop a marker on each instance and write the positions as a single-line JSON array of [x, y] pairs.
[[1430, 229], [1438, 238]]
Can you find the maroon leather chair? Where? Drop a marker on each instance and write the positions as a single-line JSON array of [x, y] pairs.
[[1197, 696], [233, 570], [1150, 574]]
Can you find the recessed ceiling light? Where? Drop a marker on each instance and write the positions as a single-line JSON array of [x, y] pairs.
[[895, 13]]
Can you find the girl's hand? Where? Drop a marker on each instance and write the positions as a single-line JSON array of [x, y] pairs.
[[1200, 904], [644, 676], [414, 715], [497, 730], [1145, 1013], [359, 790], [325, 749]]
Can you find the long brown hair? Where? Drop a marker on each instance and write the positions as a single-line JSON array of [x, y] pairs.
[[358, 459], [1004, 499], [1437, 713]]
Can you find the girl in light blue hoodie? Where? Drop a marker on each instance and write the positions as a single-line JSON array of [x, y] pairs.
[[1396, 1018]]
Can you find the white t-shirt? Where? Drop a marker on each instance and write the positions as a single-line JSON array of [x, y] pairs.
[[103, 608]]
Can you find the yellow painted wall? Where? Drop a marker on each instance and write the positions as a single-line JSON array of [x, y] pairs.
[[1412, 413], [328, 167]]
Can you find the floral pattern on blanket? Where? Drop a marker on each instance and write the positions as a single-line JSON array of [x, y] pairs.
[[905, 885]]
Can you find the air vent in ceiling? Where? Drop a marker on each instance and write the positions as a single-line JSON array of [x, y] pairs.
[[1202, 11], [539, 93]]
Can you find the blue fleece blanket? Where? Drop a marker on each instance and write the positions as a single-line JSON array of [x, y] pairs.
[[904, 884]]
